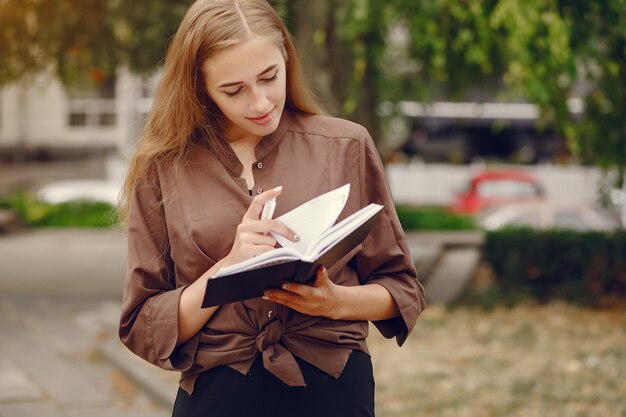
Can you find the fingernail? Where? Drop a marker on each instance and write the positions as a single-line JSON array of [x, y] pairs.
[[296, 238], [279, 188], [286, 285], [321, 269], [267, 293]]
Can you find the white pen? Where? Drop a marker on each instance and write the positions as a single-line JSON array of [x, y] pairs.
[[268, 209]]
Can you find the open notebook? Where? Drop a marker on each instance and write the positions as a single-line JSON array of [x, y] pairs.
[[322, 242]]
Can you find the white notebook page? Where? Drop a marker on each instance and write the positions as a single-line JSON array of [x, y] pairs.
[[264, 259], [313, 218], [342, 228]]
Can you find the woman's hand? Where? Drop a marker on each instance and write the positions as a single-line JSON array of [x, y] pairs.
[[322, 298], [326, 299], [253, 235]]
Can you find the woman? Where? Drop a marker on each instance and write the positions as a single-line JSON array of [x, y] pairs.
[[233, 126]]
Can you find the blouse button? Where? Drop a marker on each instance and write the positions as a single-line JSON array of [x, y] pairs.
[[270, 314], [259, 165], [259, 190]]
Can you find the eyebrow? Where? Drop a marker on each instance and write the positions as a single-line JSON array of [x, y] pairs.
[[266, 70]]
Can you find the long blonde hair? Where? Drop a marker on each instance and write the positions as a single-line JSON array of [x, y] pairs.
[[182, 113]]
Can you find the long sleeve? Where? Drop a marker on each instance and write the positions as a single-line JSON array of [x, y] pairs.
[[149, 317], [183, 220], [385, 258]]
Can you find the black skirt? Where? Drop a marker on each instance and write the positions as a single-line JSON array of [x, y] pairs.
[[224, 392]]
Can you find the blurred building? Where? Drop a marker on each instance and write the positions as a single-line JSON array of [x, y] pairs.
[[40, 119], [464, 132]]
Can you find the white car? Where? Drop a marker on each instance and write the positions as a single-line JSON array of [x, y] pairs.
[[548, 215], [106, 191]]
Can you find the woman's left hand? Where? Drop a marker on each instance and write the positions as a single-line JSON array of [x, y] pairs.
[[322, 298]]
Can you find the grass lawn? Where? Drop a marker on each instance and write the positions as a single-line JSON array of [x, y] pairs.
[[550, 360], [533, 361]]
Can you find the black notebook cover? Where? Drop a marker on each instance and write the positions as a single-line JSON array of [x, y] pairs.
[[252, 283]]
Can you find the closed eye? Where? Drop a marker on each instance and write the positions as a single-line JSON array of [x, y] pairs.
[[265, 80], [272, 78], [233, 93]]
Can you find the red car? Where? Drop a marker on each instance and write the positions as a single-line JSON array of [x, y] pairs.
[[488, 189]]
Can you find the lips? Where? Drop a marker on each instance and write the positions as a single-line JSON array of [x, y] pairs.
[[262, 120]]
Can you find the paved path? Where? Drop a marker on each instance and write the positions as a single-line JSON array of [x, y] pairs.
[[446, 262], [60, 292], [66, 262], [60, 356], [55, 361], [452, 275]]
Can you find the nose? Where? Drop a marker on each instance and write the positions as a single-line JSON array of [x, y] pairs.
[[258, 100]]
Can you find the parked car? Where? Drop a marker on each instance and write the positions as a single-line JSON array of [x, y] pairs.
[[63, 191], [488, 189], [548, 215]]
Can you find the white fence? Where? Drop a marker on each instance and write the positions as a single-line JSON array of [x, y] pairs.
[[435, 184]]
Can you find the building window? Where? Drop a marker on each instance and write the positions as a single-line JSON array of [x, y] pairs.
[[93, 107], [77, 119]]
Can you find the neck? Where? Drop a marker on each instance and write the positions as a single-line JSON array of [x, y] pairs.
[[244, 141]]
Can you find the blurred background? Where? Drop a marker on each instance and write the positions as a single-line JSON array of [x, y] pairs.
[[502, 126]]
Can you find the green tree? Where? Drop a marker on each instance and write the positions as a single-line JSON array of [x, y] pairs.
[[598, 39], [144, 29], [360, 53], [542, 51], [340, 42], [84, 41]]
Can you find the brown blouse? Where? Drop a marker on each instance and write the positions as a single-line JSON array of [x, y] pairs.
[[172, 244]]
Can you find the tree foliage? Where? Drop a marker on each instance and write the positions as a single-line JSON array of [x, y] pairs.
[[360, 53], [84, 41], [545, 52]]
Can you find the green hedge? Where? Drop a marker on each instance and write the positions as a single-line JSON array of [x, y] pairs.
[[584, 268], [432, 218], [36, 213]]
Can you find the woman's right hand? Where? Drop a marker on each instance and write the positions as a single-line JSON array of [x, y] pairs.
[[253, 235], [253, 238]]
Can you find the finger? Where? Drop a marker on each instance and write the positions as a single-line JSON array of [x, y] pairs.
[[253, 238], [267, 226], [289, 300], [256, 206], [321, 277], [280, 296], [245, 252], [256, 250], [285, 302], [281, 229], [303, 289], [251, 231], [295, 287], [275, 294]]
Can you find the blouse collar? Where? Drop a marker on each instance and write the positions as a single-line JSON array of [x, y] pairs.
[[263, 148]]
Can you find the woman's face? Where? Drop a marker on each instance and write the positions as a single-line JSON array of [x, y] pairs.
[[248, 84]]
